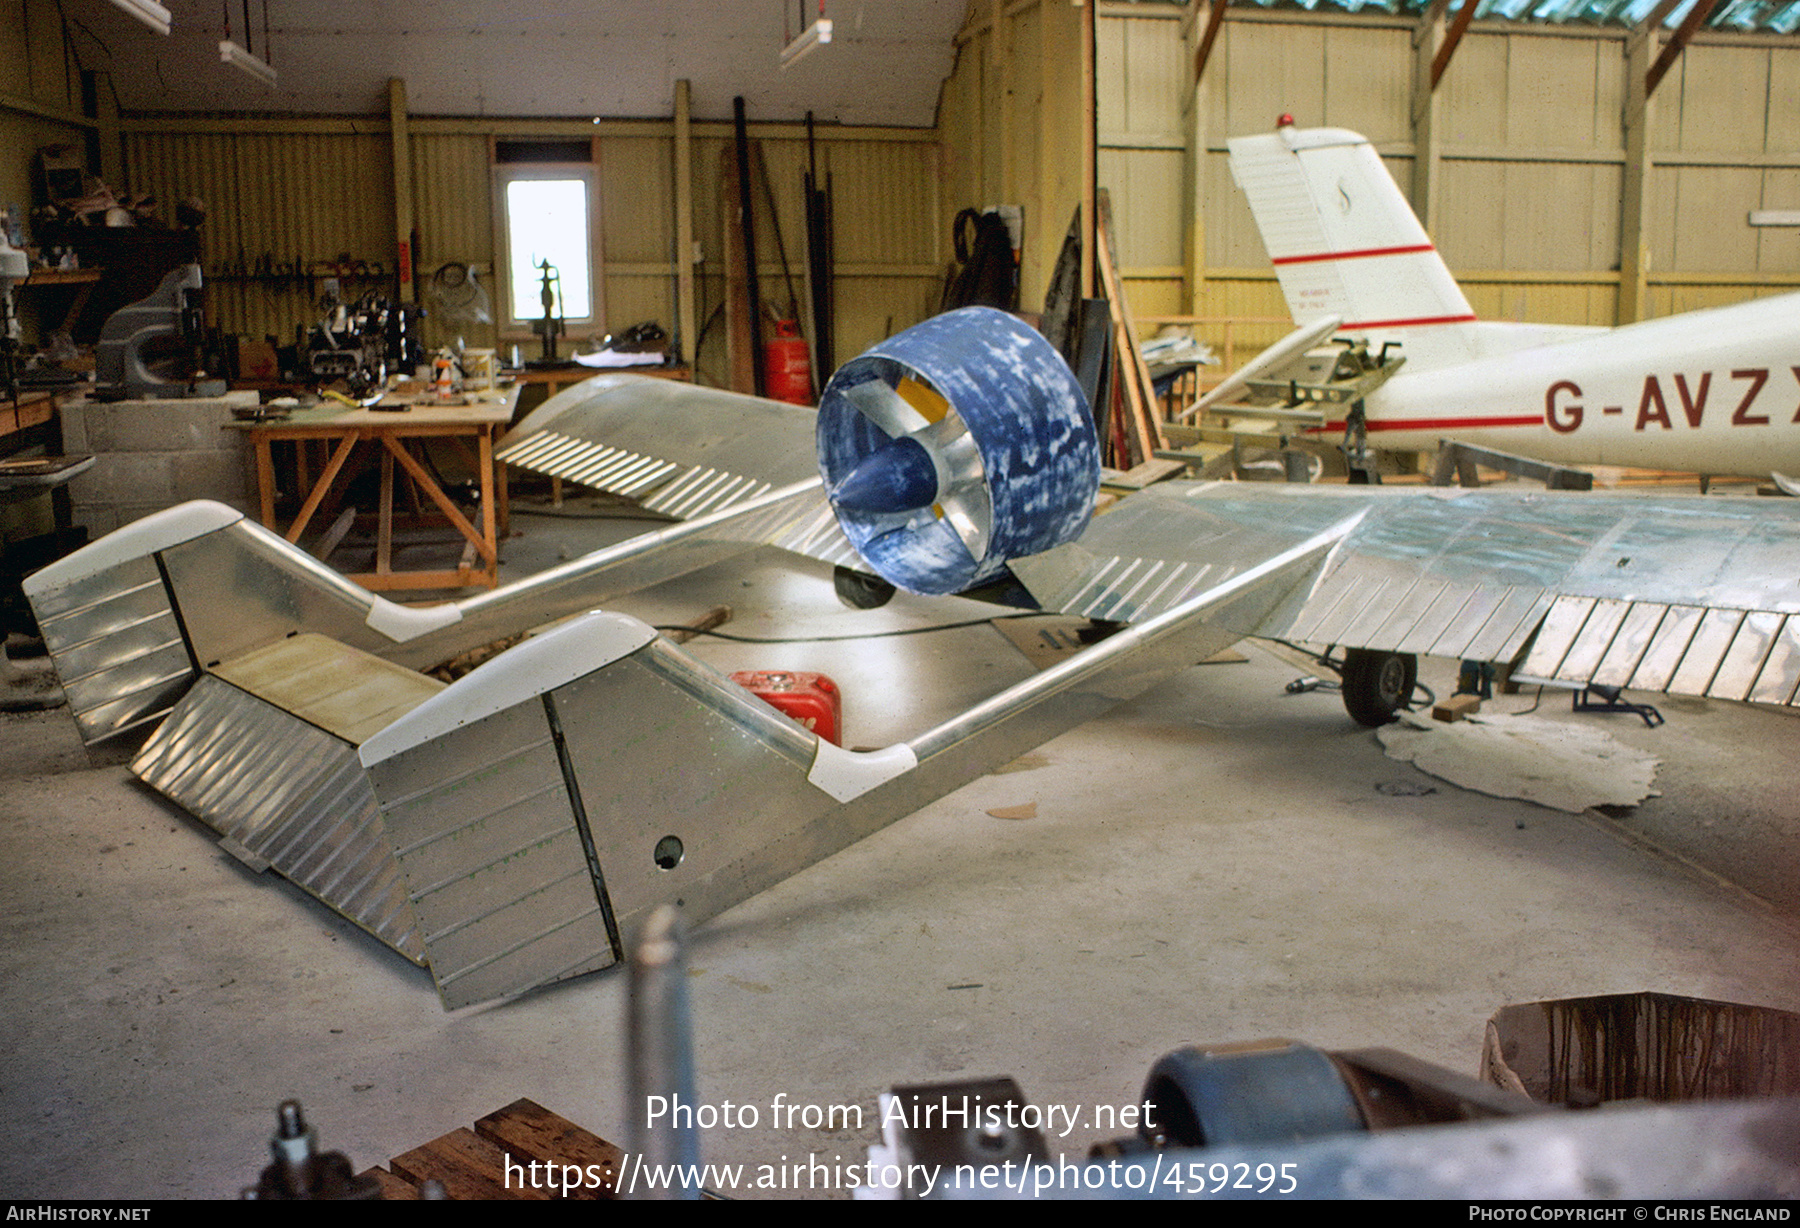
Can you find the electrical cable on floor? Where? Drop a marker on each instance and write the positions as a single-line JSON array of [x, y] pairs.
[[621, 513], [1322, 658], [871, 635]]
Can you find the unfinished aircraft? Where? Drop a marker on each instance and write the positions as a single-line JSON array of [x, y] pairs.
[[1714, 392], [513, 827]]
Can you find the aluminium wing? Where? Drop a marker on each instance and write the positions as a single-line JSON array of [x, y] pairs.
[[1689, 595], [680, 449]]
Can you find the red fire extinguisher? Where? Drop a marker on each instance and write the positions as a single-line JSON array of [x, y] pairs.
[[787, 371]]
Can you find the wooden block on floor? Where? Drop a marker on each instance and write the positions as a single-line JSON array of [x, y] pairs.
[[393, 1189], [1456, 707], [528, 1131], [494, 1159], [1145, 473], [469, 1168]]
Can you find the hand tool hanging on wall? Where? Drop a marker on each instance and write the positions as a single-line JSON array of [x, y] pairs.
[[819, 270], [747, 220], [786, 364]]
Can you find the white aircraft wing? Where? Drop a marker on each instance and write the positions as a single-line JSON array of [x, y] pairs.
[[1685, 594]]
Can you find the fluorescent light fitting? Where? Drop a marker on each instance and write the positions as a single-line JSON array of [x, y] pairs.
[[231, 53], [1775, 217], [808, 40], [149, 12]]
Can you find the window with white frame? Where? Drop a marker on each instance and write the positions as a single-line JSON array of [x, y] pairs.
[[547, 214]]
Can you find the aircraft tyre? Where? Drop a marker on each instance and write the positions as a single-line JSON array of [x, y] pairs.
[[1376, 685], [859, 590]]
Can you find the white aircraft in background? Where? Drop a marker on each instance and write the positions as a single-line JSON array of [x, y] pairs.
[[1710, 392]]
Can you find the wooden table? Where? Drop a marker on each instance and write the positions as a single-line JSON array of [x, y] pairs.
[[482, 421], [27, 410]]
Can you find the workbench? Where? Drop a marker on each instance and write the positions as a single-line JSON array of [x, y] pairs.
[[391, 426], [21, 413], [28, 428]]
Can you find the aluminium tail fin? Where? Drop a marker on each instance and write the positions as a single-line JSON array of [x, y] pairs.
[[1345, 242], [133, 619]]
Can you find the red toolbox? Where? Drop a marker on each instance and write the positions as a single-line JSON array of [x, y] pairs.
[[811, 699]]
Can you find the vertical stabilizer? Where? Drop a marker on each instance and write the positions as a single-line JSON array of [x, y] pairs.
[[1345, 242]]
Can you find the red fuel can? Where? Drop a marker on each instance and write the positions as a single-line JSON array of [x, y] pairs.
[[787, 367], [811, 699]]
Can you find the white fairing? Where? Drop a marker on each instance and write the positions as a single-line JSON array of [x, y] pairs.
[[1714, 391], [141, 538]]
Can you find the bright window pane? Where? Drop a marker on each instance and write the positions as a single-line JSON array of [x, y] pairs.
[[547, 219]]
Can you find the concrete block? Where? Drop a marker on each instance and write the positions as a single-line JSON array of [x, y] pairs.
[[170, 426], [74, 418], [119, 477], [219, 475], [128, 512], [98, 521]]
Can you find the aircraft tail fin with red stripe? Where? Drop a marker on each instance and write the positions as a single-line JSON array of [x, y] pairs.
[[1345, 242]]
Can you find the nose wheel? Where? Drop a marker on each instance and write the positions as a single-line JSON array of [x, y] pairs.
[[1377, 685]]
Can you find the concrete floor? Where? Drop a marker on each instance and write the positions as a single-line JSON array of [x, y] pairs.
[[1216, 861]]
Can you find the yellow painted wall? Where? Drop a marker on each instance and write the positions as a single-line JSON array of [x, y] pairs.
[[1009, 123]]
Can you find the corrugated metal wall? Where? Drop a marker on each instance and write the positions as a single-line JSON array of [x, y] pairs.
[[35, 74], [279, 204], [885, 242], [1533, 163], [1533, 158], [1009, 118], [1143, 84], [453, 212]]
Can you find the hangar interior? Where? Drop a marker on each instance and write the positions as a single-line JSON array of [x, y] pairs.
[[1215, 860]]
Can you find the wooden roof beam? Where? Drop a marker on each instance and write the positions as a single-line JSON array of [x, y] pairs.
[[1214, 18], [1678, 42], [1458, 28]]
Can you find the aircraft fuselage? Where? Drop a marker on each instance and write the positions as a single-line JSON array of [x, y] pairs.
[[1715, 391]]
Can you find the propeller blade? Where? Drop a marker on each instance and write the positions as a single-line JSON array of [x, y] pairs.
[[886, 408]]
